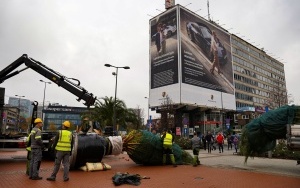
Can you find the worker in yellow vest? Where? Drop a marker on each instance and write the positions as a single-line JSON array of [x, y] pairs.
[[168, 140], [63, 145]]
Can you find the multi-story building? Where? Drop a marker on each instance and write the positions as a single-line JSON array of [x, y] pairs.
[[15, 114], [260, 83], [259, 78], [205, 95], [9, 121], [23, 104]]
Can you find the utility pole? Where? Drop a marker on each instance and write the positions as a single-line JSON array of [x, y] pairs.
[[208, 10], [44, 96], [148, 117], [116, 86]]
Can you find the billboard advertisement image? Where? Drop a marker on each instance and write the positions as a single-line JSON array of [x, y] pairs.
[[164, 56], [190, 61], [206, 64]]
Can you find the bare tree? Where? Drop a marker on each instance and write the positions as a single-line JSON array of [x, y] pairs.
[[167, 112], [278, 96]]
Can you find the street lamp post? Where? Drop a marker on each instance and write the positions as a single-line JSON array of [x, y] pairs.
[[18, 121], [148, 117], [115, 74], [44, 96]]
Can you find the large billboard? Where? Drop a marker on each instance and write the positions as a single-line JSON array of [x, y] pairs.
[[206, 61], [164, 61], [193, 65]]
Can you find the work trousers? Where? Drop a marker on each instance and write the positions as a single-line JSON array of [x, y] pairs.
[[36, 158], [64, 157]]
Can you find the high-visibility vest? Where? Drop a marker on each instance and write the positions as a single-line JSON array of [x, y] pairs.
[[64, 141], [28, 143], [168, 139]]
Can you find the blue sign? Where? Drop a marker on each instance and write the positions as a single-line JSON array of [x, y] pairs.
[[266, 108], [185, 130]]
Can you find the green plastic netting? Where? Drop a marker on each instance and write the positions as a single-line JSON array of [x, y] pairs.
[[260, 135], [145, 148]]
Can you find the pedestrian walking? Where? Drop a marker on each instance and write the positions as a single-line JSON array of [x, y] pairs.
[[203, 141], [235, 143], [36, 150], [209, 139], [63, 145], [220, 141], [195, 141], [168, 140], [229, 141]]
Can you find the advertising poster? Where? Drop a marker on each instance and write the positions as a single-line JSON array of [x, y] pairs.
[[198, 39], [163, 50]]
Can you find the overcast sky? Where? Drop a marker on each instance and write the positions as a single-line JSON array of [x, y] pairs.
[[76, 38]]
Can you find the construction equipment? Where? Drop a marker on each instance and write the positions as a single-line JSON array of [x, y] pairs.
[[60, 80], [56, 77]]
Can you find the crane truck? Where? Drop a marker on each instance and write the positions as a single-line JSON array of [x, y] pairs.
[[57, 78]]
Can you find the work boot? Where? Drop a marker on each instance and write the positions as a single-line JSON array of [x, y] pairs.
[[51, 179], [36, 178], [164, 159], [195, 160], [198, 162], [173, 160]]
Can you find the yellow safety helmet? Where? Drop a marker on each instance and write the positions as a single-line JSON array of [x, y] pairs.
[[67, 124], [38, 120]]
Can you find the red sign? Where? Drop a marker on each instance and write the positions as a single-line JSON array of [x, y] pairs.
[[178, 131], [209, 122]]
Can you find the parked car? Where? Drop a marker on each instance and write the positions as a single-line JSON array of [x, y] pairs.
[[22, 143], [200, 34]]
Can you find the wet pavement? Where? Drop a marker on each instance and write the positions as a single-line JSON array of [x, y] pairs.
[[217, 170]]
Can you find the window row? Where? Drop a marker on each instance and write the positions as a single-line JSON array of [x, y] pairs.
[[243, 96], [245, 80], [248, 89], [257, 54], [240, 104], [244, 88], [258, 62], [252, 74]]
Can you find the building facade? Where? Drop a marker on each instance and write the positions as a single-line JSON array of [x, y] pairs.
[[260, 83], [55, 115], [9, 120], [259, 78]]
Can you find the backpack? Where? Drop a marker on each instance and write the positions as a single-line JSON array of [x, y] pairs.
[[235, 140]]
